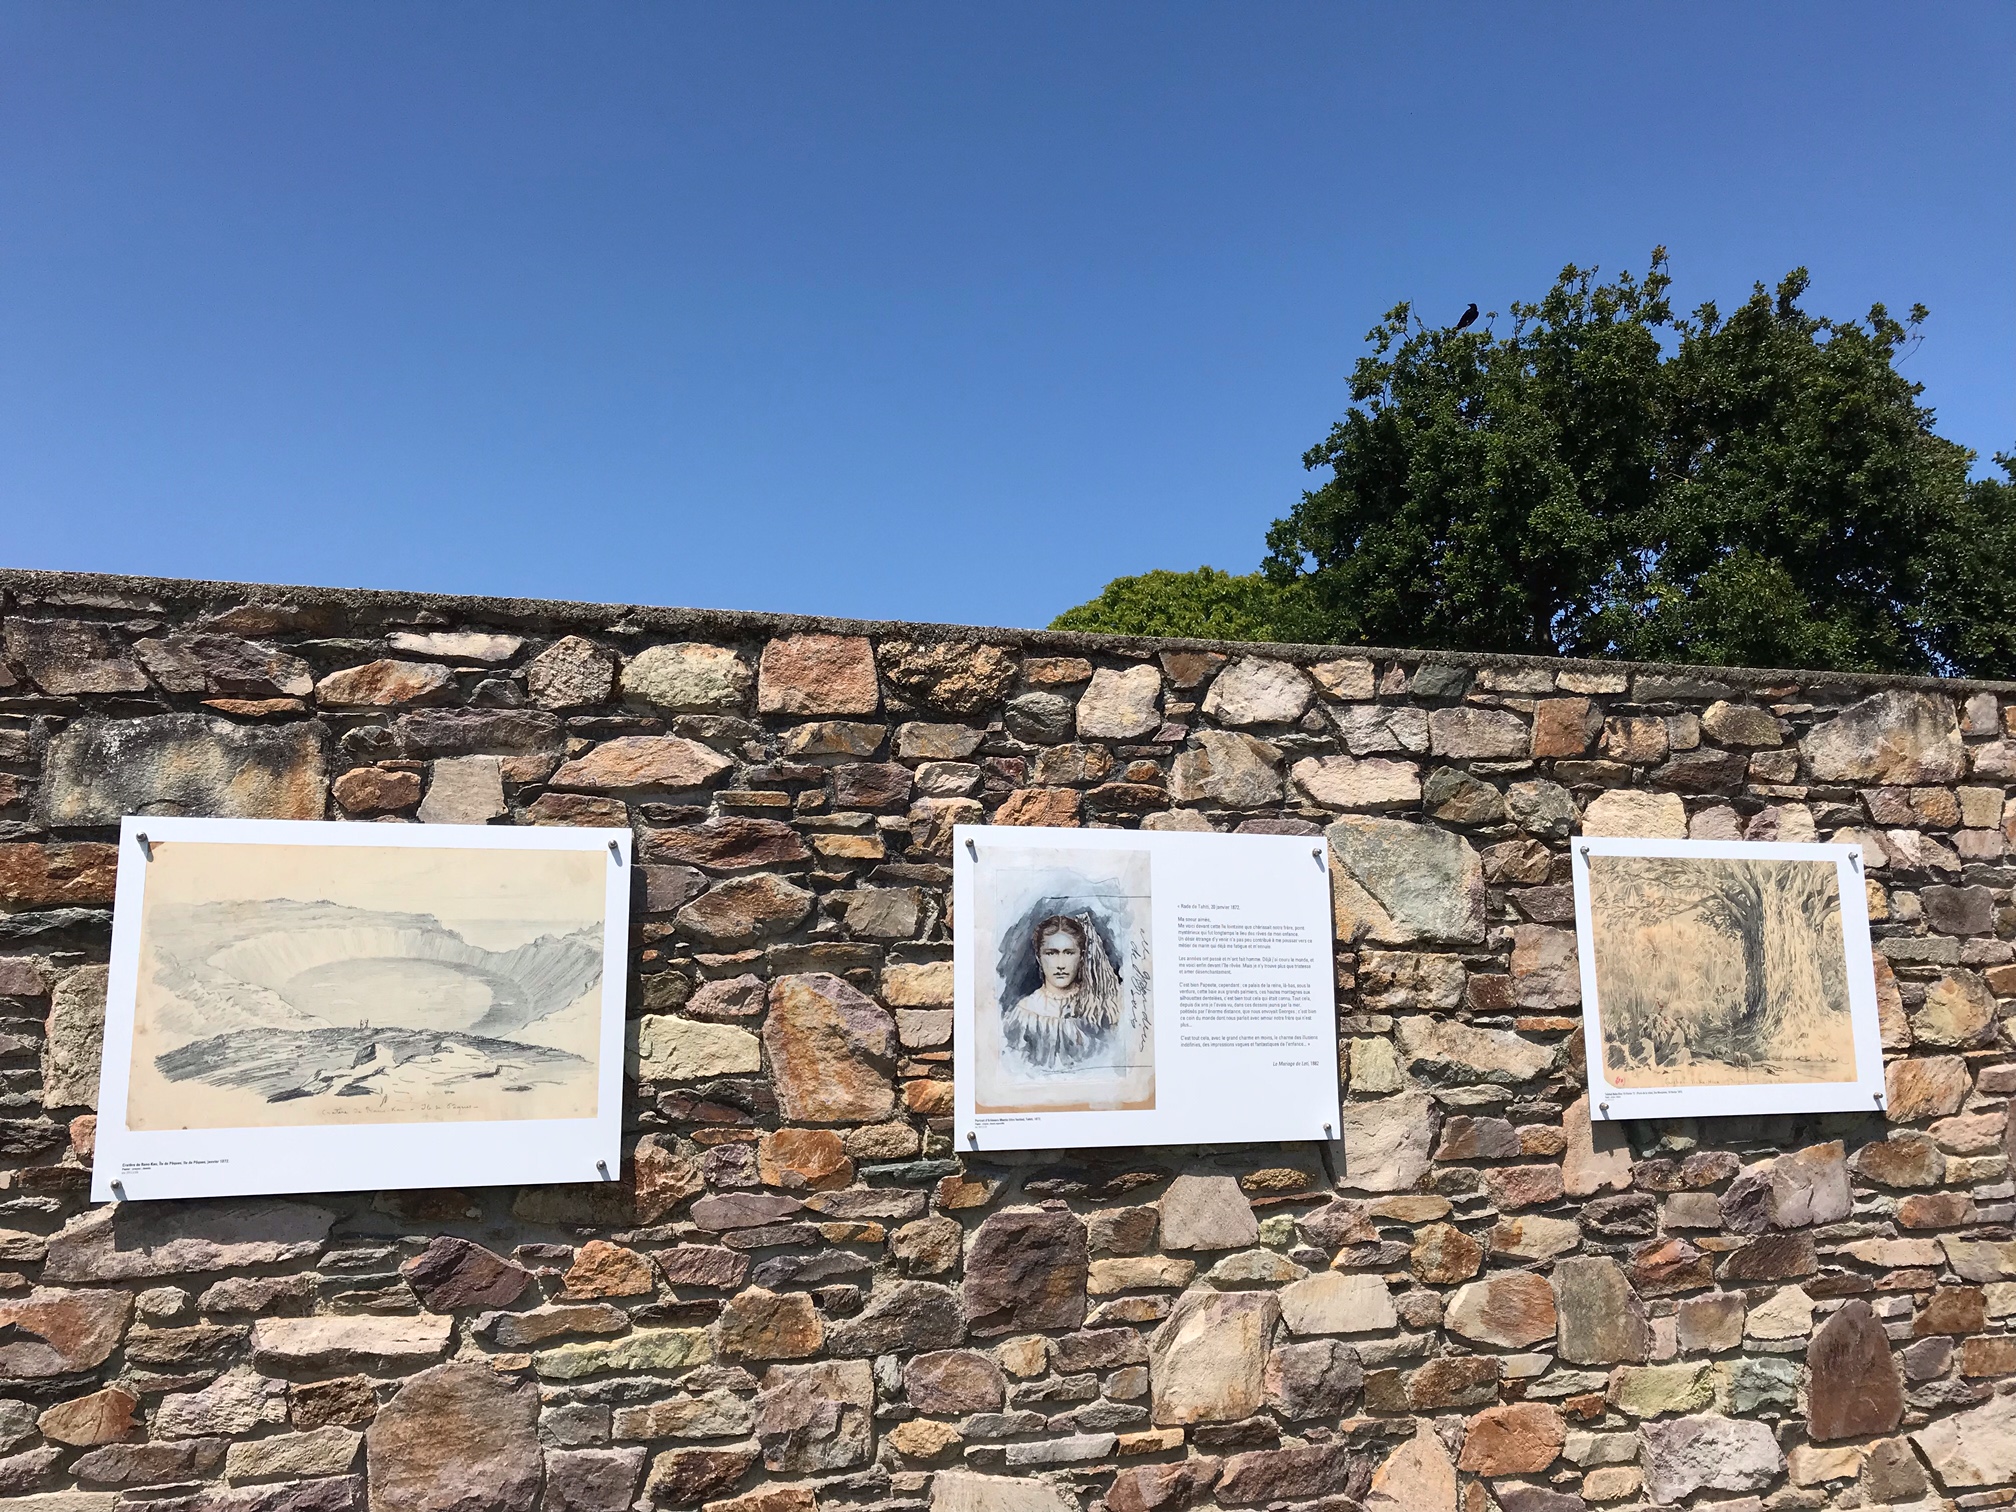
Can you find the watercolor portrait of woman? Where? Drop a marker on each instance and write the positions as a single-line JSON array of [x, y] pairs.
[[1070, 1017], [1066, 1004]]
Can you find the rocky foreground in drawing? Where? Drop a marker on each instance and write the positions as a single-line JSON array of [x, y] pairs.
[[282, 1065]]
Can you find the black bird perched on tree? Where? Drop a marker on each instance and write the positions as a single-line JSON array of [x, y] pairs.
[[1468, 317]]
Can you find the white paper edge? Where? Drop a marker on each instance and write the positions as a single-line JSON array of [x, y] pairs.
[[358, 1157], [1864, 1094]]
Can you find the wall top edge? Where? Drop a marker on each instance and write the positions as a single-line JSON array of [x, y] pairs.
[[368, 607]]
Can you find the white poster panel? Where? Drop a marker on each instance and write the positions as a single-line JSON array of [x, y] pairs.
[[313, 1007], [1725, 977], [1124, 987]]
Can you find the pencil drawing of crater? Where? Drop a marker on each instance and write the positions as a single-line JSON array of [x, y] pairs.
[[1713, 972], [306, 1005]]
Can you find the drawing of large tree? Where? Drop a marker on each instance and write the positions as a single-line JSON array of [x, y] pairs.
[[1778, 918]]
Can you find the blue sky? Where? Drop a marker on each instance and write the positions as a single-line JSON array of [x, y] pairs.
[[917, 311]]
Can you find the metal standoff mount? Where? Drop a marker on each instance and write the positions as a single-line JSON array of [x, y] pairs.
[[118, 1189], [1585, 852], [972, 849], [146, 845], [973, 1139], [616, 851], [1318, 854], [603, 1167], [1327, 1132], [1603, 1108]]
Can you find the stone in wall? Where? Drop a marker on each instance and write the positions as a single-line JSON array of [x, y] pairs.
[[1336, 1303], [1206, 1213], [1510, 1311], [816, 1417], [1419, 1476], [1312, 1381], [953, 1381], [1228, 768], [1347, 782], [831, 1050], [336, 1343], [455, 1436], [57, 876], [1976, 1448], [74, 1036], [1600, 1319], [572, 673], [1118, 704], [1855, 1388], [1398, 883], [101, 769], [1257, 690], [900, 1318], [958, 1491], [1706, 1452], [1896, 736], [386, 683], [818, 674], [1387, 1143], [1025, 1272], [223, 666], [452, 1273], [68, 657], [464, 790], [121, 1243], [644, 765], [53, 1331], [1207, 1362], [687, 677], [1442, 1052], [951, 676]]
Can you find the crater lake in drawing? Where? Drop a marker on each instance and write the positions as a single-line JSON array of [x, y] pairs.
[[297, 984]]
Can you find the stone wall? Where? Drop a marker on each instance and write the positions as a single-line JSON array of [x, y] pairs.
[[800, 1296]]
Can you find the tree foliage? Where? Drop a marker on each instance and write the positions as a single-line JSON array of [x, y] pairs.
[[1607, 478], [1207, 604]]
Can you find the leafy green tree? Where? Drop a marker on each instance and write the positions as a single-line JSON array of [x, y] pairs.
[[1484, 488], [1973, 578], [1207, 604], [1605, 478]]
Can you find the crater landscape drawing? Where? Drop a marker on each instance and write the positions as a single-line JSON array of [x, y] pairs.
[[270, 994]]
